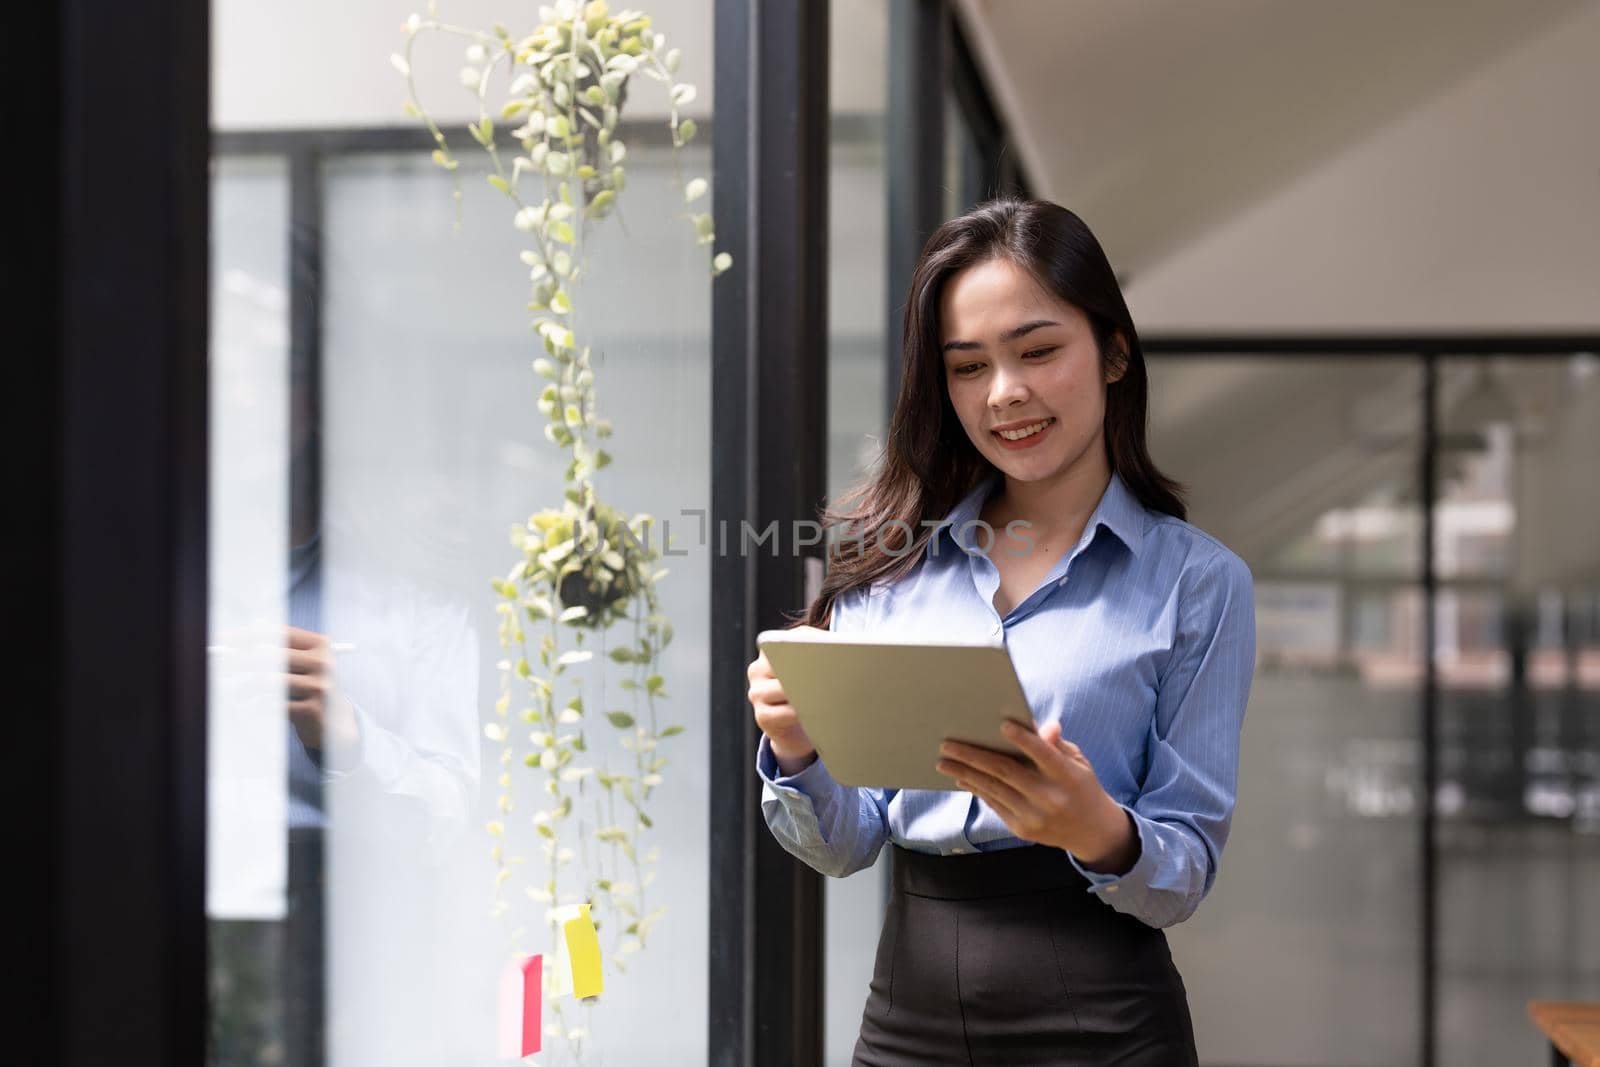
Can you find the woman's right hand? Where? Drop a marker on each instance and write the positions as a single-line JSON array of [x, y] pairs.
[[778, 719]]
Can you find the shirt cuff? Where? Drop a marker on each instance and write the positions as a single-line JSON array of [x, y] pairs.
[[812, 793], [1137, 879], [814, 780]]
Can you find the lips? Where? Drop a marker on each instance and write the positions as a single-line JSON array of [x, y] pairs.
[[1021, 431]]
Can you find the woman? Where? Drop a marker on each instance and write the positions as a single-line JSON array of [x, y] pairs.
[[1017, 501]]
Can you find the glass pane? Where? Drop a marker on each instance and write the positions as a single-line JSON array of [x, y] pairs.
[[247, 758], [375, 468], [1518, 542], [1306, 950], [858, 257]]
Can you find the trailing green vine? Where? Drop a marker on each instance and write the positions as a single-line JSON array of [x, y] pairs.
[[583, 569]]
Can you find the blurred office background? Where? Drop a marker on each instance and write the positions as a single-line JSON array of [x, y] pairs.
[[1302, 201], [1361, 243]]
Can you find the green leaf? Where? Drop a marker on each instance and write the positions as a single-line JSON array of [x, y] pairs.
[[645, 819], [686, 131], [672, 731], [562, 231], [620, 719], [621, 655], [499, 183], [654, 683]]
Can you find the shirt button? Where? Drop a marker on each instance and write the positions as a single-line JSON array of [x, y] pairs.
[[1062, 581], [958, 851], [1111, 889]]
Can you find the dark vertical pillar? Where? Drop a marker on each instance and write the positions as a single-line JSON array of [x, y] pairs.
[[304, 976], [116, 112], [1430, 714], [769, 436], [919, 46]]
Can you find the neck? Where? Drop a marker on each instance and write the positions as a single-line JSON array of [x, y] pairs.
[[1056, 509]]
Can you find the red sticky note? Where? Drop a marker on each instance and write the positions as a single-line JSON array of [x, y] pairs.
[[521, 1007]]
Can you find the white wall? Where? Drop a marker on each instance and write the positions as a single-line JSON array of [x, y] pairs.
[[299, 63]]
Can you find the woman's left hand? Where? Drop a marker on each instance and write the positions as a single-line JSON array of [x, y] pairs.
[[1055, 798]]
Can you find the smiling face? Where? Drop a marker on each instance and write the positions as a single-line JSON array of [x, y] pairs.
[[1023, 372]]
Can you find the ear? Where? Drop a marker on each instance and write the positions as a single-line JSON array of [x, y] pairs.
[[1116, 359]]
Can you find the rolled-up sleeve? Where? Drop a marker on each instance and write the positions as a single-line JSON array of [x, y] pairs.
[[1186, 803], [834, 829]]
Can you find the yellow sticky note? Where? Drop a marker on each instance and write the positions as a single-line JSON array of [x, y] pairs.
[[583, 949]]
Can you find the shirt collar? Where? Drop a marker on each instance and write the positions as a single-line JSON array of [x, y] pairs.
[[1118, 511]]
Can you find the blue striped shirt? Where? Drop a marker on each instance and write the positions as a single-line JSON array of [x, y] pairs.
[[1145, 660]]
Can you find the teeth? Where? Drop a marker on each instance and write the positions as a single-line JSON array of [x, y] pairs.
[[1026, 431]]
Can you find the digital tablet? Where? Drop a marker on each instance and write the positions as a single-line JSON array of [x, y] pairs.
[[877, 708]]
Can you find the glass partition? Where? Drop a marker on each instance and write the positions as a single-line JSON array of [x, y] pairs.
[[1517, 540], [385, 826], [1307, 949]]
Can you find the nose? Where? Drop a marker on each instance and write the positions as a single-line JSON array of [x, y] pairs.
[[1006, 388]]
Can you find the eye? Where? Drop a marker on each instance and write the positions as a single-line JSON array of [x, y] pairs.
[[966, 368], [1045, 351]]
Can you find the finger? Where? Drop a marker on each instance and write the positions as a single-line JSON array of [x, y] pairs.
[[995, 764], [1044, 750], [776, 717], [1055, 738], [991, 784], [308, 661], [1007, 813], [299, 637], [303, 686], [768, 691]]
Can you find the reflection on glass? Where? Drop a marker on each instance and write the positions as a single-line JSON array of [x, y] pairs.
[[361, 502], [858, 258], [1517, 525], [1313, 921], [247, 868]]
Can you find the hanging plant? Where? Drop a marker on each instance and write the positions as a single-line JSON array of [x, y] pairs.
[[584, 570]]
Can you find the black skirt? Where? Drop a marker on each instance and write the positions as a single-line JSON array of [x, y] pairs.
[[1005, 958]]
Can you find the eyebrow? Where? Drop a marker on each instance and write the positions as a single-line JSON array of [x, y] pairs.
[[1009, 335]]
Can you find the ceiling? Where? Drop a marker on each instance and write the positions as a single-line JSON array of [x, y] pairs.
[[1158, 120]]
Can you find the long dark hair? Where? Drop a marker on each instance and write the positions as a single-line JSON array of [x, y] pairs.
[[928, 464]]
